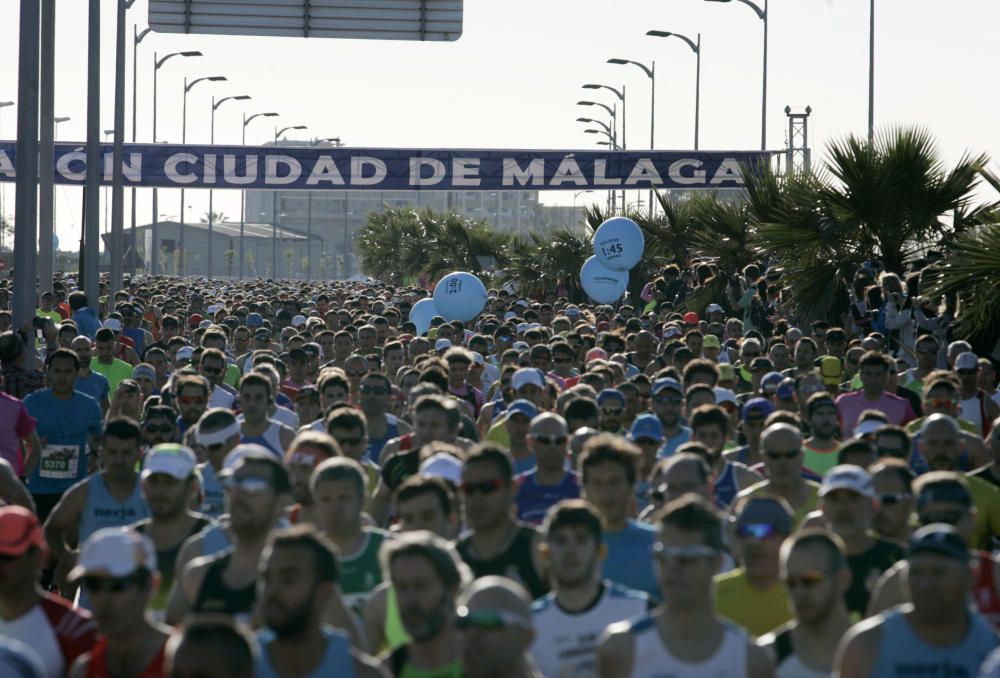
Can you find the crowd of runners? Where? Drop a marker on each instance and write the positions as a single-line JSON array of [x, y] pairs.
[[230, 479]]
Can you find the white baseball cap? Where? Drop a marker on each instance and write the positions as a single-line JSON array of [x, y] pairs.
[[298, 320], [184, 353], [442, 344], [964, 361], [115, 325], [172, 459], [847, 477], [526, 376], [442, 465], [115, 552]]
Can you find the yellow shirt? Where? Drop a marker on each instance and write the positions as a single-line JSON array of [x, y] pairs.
[[986, 497], [498, 434], [812, 503], [759, 612]]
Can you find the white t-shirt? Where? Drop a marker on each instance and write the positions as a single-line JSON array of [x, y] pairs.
[[33, 629], [221, 398]]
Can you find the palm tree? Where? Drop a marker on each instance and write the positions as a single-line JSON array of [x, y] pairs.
[[217, 217]]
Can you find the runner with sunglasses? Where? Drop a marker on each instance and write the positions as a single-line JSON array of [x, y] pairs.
[[118, 571], [550, 481], [684, 636], [815, 574], [782, 453]]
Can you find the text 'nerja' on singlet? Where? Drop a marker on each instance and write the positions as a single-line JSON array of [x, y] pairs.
[[651, 659], [337, 660], [102, 510], [903, 653]]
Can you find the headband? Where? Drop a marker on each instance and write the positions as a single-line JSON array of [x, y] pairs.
[[220, 436]]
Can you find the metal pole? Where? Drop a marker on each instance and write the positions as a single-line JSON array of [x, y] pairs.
[[243, 199], [697, 92], [763, 101], [92, 226], [117, 186], [25, 283], [309, 232], [211, 206], [624, 140], [154, 253], [274, 223], [46, 148], [652, 121], [180, 236], [871, 74]]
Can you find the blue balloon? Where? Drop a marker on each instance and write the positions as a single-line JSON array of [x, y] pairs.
[[602, 285], [619, 244], [460, 296], [421, 314]]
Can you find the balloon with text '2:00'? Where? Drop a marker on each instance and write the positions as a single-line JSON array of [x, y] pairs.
[[600, 284], [459, 296], [421, 314], [619, 243]]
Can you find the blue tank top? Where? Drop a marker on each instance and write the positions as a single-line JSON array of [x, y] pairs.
[[213, 496], [271, 439], [337, 660], [727, 486], [137, 336], [375, 445], [102, 510], [534, 500], [903, 653]]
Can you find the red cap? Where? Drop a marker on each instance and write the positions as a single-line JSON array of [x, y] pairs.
[[603, 326], [19, 531], [691, 318], [195, 320], [596, 354]]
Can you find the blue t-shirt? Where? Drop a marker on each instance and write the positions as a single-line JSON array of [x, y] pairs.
[[95, 385], [64, 426], [670, 445], [534, 500], [524, 464], [630, 557]]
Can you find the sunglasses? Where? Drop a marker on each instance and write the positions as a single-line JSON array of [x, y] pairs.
[[682, 555], [165, 428], [488, 620], [668, 400], [248, 484], [941, 403], [191, 400], [350, 441], [93, 584], [482, 487], [808, 579], [776, 456], [757, 531], [896, 452], [612, 412], [549, 440], [562, 361], [374, 390], [893, 498], [949, 517], [211, 370], [927, 351]]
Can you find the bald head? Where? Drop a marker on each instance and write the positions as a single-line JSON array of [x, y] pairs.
[[783, 435], [497, 593], [940, 423], [80, 343], [549, 424]]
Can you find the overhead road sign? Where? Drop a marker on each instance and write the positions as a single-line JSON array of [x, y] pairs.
[[425, 20], [394, 169]]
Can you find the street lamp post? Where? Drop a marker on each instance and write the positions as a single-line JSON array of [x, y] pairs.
[[137, 37], [3, 222], [871, 73], [309, 212], [211, 205], [243, 193], [274, 205], [612, 134], [188, 86], [55, 137], [650, 72], [695, 46], [761, 13], [107, 133], [620, 94], [158, 62]]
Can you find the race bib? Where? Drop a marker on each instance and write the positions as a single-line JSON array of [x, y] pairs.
[[59, 462]]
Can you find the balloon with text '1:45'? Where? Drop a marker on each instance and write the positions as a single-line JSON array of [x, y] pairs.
[[459, 296], [600, 284], [421, 314], [619, 243]]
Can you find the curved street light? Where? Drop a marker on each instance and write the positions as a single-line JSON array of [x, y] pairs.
[[243, 193], [650, 72], [695, 46], [274, 208]]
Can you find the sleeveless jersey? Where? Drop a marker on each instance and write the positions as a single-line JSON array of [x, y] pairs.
[[651, 659], [726, 486], [566, 642], [271, 439], [215, 596], [394, 631], [903, 653], [166, 560], [818, 460], [515, 562], [375, 445], [534, 500], [360, 572], [213, 496], [97, 667], [399, 664], [336, 661], [789, 665], [102, 510], [984, 590]]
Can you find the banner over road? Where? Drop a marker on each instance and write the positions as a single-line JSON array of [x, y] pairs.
[[383, 169]]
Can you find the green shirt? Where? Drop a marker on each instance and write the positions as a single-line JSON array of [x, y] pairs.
[[360, 571], [115, 372]]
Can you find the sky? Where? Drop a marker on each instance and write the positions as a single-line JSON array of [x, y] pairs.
[[512, 80]]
